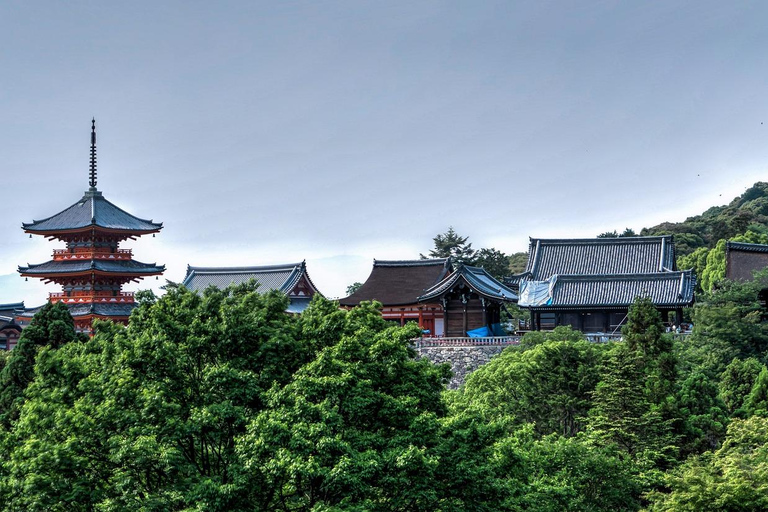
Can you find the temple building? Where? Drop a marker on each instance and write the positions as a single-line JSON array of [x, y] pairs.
[[92, 268], [290, 279], [589, 284], [742, 260], [9, 329], [472, 301], [398, 286]]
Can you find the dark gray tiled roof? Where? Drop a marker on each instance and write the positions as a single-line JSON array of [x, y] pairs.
[[630, 255], [269, 277], [478, 280], [743, 246], [93, 210], [399, 282], [76, 266], [666, 289]]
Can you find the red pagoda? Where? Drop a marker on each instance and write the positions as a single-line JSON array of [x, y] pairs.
[[92, 269]]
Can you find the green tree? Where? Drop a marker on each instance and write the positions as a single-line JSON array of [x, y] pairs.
[[451, 244], [517, 262], [757, 400], [146, 417], [52, 326], [697, 261], [730, 317], [735, 477], [549, 385], [362, 428], [556, 473], [353, 288], [622, 415], [494, 262], [703, 414], [736, 382]]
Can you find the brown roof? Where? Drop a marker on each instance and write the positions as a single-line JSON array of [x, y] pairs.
[[396, 283]]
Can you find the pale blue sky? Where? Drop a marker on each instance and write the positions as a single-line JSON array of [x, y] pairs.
[[339, 132]]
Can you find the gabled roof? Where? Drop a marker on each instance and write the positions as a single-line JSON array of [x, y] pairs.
[[666, 289], [80, 266], [399, 282], [270, 277], [623, 255], [477, 279], [92, 211]]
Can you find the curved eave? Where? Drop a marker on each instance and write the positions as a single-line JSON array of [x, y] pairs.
[[90, 229], [84, 273]]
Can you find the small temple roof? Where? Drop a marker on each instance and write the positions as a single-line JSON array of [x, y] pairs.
[[269, 277], [666, 289], [623, 255], [395, 283], [93, 210], [80, 266], [478, 280]]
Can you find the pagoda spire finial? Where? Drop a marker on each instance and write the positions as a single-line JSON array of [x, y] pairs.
[[92, 180]]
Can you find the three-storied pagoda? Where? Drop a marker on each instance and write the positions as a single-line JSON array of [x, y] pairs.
[[92, 269]]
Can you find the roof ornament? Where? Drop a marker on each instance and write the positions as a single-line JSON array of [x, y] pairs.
[[92, 180]]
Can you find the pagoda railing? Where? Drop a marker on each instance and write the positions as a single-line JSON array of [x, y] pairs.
[[92, 298], [90, 253]]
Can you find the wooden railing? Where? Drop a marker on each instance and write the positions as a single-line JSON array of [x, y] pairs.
[[88, 253]]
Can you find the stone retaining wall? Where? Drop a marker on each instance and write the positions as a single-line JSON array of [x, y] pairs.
[[463, 360]]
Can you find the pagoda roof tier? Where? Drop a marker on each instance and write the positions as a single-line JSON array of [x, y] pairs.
[[92, 212], [73, 268], [85, 310]]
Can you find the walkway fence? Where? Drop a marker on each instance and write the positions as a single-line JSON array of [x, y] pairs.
[[466, 341]]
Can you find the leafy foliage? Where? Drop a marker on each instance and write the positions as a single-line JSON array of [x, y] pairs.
[[451, 244]]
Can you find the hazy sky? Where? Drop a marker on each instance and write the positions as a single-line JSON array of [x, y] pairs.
[[339, 132]]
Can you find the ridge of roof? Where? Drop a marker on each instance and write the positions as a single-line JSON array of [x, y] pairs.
[[242, 270], [746, 246], [601, 241], [411, 263]]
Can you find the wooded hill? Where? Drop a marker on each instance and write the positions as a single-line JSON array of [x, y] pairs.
[[748, 212]]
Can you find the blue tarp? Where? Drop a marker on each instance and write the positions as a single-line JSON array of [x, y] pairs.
[[482, 332]]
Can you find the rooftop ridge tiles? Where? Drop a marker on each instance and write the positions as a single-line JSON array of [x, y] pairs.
[[601, 241], [241, 270], [410, 263], [746, 246]]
